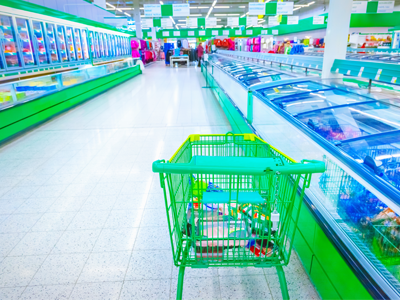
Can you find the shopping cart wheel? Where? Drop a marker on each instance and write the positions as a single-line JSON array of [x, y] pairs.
[[282, 281], [180, 283]]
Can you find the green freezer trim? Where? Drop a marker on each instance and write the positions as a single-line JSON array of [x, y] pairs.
[[328, 270], [17, 119]]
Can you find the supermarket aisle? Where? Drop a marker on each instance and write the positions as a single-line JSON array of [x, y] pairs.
[[82, 215]]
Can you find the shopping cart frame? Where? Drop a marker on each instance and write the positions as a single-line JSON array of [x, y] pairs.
[[228, 164]]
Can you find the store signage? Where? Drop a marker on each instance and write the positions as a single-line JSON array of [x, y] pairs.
[[264, 32], [211, 22], [256, 8], [165, 33], [275, 31], [191, 22], [214, 32], [233, 21], [202, 32], [166, 22], [284, 8], [190, 33], [152, 10], [147, 23], [180, 10], [293, 20], [225, 32], [177, 33], [273, 21], [385, 7], [318, 20], [251, 21], [238, 32], [249, 32], [359, 7]]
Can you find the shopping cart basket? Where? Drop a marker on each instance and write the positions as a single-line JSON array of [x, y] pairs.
[[229, 202]]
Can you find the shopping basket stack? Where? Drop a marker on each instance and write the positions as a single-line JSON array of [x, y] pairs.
[[229, 202]]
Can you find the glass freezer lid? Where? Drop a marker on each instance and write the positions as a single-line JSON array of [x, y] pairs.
[[291, 89], [237, 73], [252, 81], [352, 121], [380, 153], [308, 101]]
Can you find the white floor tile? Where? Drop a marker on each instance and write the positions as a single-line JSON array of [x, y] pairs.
[[11, 293], [117, 239], [161, 263], [107, 266], [146, 289], [89, 220], [124, 219], [36, 243], [60, 269], [97, 291], [54, 221], [49, 292], [76, 241]]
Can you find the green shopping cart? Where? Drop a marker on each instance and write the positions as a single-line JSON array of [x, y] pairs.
[[230, 203]]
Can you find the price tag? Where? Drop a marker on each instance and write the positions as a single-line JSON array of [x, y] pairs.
[[377, 77], [337, 70], [297, 64], [359, 74], [309, 66], [394, 79], [316, 66], [302, 65], [362, 69], [379, 72], [348, 72]]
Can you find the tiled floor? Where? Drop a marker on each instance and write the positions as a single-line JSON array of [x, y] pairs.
[[81, 214]]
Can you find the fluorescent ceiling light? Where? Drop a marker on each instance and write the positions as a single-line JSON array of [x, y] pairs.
[[202, 7], [198, 15], [242, 6], [181, 20], [219, 20], [127, 14], [244, 15], [261, 21], [233, 14], [172, 19], [161, 2], [221, 6], [112, 6], [119, 10], [296, 8], [220, 15], [215, 2]]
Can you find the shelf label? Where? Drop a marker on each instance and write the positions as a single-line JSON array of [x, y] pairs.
[[233, 21], [348, 72], [362, 69], [359, 74], [166, 22], [256, 8], [152, 10], [337, 70], [191, 22], [202, 32], [284, 8], [318, 20], [214, 32], [238, 32], [225, 32], [165, 33], [359, 7], [394, 79], [273, 21], [190, 33], [177, 33], [293, 20], [249, 32], [251, 21], [385, 7], [181, 10], [211, 22]]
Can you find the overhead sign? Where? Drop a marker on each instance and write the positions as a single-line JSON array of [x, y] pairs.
[[191, 22], [225, 32], [318, 20], [152, 10], [251, 21], [214, 32], [211, 22], [293, 20], [284, 8], [359, 7], [256, 8], [273, 21], [385, 7], [166, 22], [233, 21], [147, 23], [180, 10]]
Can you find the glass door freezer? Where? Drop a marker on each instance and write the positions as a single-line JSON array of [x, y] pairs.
[[40, 42], [26, 42], [12, 56]]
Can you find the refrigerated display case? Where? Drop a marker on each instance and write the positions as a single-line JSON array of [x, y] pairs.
[[85, 48], [62, 46], [70, 43], [51, 38], [26, 44], [9, 44], [105, 45], [78, 44], [96, 45], [356, 202], [101, 44], [40, 41], [92, 44]]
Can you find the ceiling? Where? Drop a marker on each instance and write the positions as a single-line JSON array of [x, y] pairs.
[[223, 8]]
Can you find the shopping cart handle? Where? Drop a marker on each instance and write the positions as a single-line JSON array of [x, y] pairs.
[[237, 166]]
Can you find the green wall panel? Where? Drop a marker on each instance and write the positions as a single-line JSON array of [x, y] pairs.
[[372, 7], [166, 10], [21, 117], [270, 8], [201, 22], [243, 21]]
